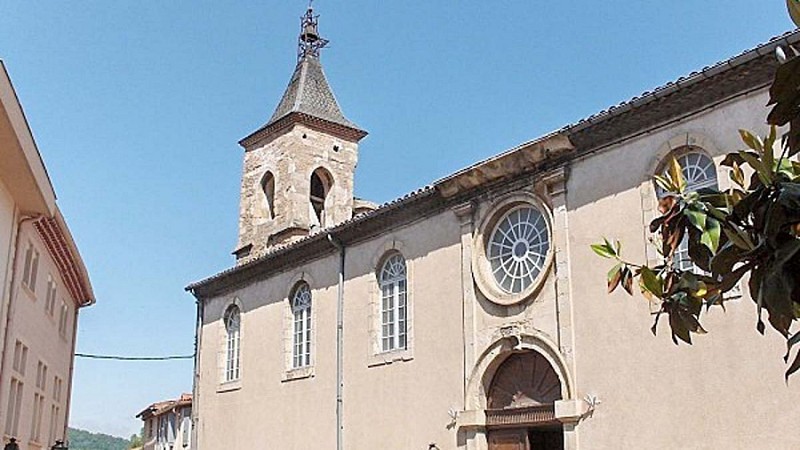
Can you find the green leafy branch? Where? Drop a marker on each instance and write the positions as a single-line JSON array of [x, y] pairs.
[[752, 228]]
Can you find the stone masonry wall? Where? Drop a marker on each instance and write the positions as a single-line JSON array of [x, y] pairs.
[[291, 158]]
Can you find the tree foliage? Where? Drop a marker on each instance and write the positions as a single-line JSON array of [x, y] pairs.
[[752, 228], [86, 440]]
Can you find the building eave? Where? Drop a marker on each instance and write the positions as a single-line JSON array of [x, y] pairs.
[[60, 245]]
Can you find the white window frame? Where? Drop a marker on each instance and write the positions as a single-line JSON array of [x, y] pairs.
[[301, 326], [393, 286], [233, 329]]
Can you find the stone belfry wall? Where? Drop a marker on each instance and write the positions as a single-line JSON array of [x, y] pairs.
[[291, 158], [299, 167]]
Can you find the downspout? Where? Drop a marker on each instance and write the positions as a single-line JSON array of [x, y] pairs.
[[339, 343], [71, 372], [198, 332], [11, 296]]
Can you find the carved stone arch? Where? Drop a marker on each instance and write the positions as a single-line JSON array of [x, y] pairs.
[[523, 379], [680, 144], [387, 245], [296, 279], [505, 343]]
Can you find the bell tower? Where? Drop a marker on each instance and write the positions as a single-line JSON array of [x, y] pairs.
[[298, 167]]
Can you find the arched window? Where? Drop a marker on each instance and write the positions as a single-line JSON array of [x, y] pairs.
[[233, 324], [394, 306], [268, 187], [321, 182], [301, 335], [699, 172]]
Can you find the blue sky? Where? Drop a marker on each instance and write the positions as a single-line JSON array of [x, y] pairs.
[[137, 108]]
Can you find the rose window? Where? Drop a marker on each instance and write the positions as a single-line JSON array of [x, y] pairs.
[[517, 248]]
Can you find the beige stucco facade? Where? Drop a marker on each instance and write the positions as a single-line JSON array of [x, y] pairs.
[[44, 283], [620, 387]]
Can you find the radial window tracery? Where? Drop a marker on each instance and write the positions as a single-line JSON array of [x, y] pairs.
[[301, 335], [517, 248]]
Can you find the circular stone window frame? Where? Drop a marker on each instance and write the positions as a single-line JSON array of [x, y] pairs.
[[481, 268]]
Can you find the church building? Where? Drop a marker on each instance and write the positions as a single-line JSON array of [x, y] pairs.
[[472, 313]]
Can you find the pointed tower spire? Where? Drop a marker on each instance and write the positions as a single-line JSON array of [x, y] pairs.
[[309, 97]]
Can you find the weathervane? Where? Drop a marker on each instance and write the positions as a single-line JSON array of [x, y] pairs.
[[309, 42]]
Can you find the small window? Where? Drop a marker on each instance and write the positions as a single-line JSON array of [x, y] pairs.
[[321, 183], [36, 422], [14, 407], [699, 172], [50, 301], [268, 188], [41, 376], [232, 343], [301, 331], [31, 267], [394, 306], [54, 412], [20, 357], [63, 319], [57, 386]]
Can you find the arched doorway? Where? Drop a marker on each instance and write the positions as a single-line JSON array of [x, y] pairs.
[[520, 411]]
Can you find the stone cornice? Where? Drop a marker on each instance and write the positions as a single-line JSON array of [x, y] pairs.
[[281, 125]]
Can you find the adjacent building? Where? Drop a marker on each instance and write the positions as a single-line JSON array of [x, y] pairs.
[[44, 285], [167, 425], [472, 314]]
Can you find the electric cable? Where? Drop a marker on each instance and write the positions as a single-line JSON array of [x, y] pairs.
[[133, 358]]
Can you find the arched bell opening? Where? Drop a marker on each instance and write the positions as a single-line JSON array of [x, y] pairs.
[[321, 182], [520, 408], [268, 188]]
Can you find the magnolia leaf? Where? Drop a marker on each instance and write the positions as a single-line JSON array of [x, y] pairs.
[[697, 218], [679, 328], [794, 10], [794, 367], [710, 236], [675, 173], [737, 175], [650, 282], [664, 184], [627, 280], [772, 137], [732, 158], [763, 173], [603, 250], [614, 277], [751, 140], [790, 343], [738, 237], [701, 291]]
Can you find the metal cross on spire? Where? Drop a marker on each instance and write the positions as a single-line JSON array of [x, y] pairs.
[[310, 42]]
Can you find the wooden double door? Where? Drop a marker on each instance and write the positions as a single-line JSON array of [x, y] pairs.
[[538, 438]]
